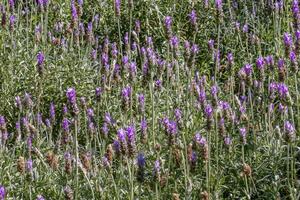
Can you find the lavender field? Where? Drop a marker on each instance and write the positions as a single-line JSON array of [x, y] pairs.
[[149, 99]]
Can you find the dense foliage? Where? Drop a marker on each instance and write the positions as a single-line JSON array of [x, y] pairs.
[[149, 99]]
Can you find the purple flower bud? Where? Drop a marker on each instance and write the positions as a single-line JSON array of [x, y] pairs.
[[40, 58], [118, 7], [293, 57], [260, 63], [281, 64], [230, 58], [71, 95], [29, 165], [168, 23], [144, 126], [243, 133], [158, 84], [105, 161], [48, 123], [52, 111], [270, 61], [137, 26], [40, 197], [208, 111], [178, 114], [108, 119], [156, 169], [39, 119], [74, 12], [126, 93], [194, 49], [141, 100], [2, 192], [66, 125], [288, 40], [245, 28], [193, 17], [289, 130], [227, 141], [80, 2], [98, 92], [214, 91], [198, 139], [211, 44], [218, 4], [130, 132], [105, 129], [283, 90], [12, 20], [174, 42]]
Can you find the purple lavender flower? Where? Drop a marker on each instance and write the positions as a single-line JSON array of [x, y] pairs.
[[105, 129], [118, 7], [2, 122], [245, 28], [48, 123], [247, 69], [11, 3], [270, 61], [126, 94], [29, 165], [281, 64], [218, 4], [40, 58], [293, 57], [193, 17], [141, 100], [283, 90], [80, 2], [74, 12], [121, 136], [156, 168], [144, 126], [198, 139], [39, 118], [98, 92], [214, 91], [227, 141], [52, 112], [66, 125], [108, 119], [12, 20], [230, 59], [194, 49], [40, 197], [105, 161], [289, 130], [243, 133], [158, 84], [168, 23], [288, 40], [208, 111], [174, 42], [18, 102], [2, 192], [211, 44], [138, 26], [130, 132], [260, 63], [178, 114], [71, 95]]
